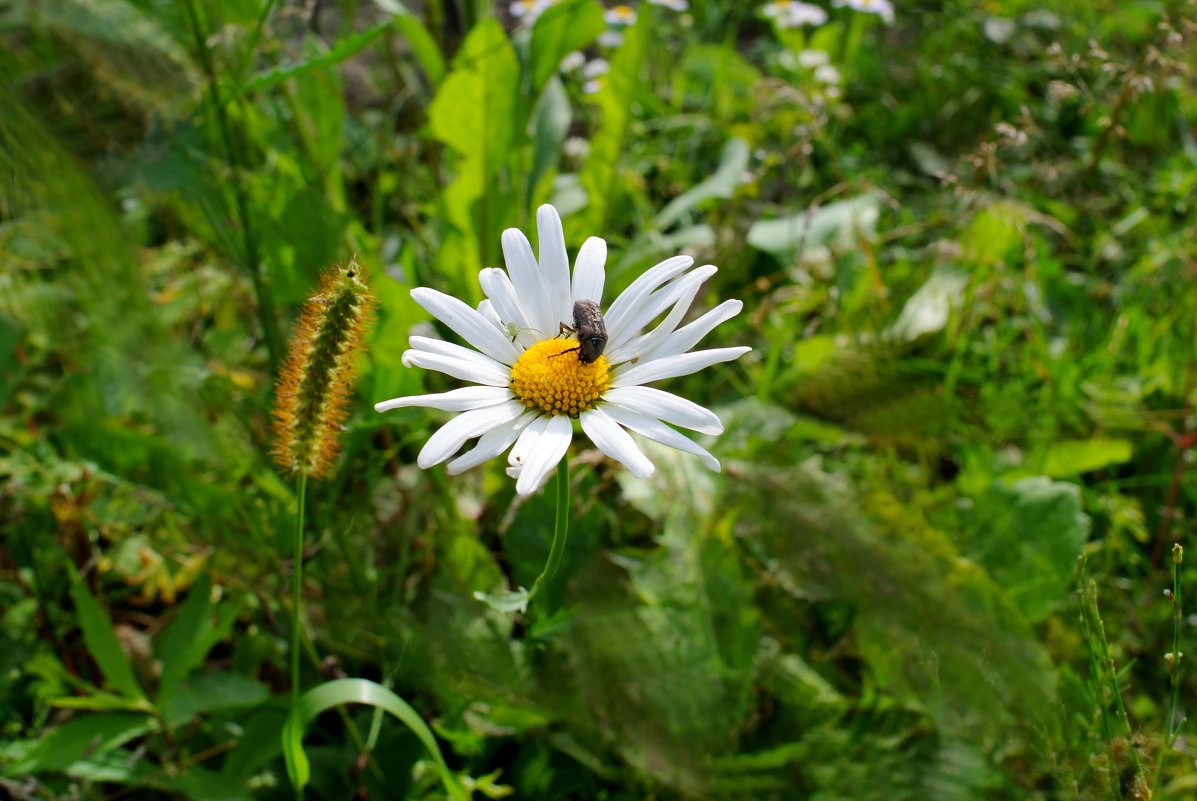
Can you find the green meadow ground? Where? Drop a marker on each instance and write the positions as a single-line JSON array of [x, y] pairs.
[[954, 466]]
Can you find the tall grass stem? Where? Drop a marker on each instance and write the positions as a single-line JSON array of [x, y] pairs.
[[296, 593]]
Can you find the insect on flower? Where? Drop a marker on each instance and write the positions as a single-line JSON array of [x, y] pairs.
[[514, 330], [591, 331]]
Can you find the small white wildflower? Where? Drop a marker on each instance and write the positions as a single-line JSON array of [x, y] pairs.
[[793, 14], [673, 5], [572, 61], [882, 8], [620, 15], [576, 147], [528, 10], [594, 86], [610, 39], [810, 59], [595, 68], [827, 74]]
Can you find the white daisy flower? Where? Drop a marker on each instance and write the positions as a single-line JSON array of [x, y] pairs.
[[620, 15], [576, 147], [610, 39], [528, 10], [531, 383], [792, 14], [810, 59], [595, 68], [573, 61], [827, 74], [672, 5], [882, 8]]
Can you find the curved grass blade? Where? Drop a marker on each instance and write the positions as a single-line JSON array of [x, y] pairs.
[[358, 691]]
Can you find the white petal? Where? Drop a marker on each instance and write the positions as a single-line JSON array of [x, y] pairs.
[[673, 366], [550, 447], [525, 277], [631, 298], [659, 432], [524, 445], [452, 349], [464, 369], [457, 400], [688, 336], [590, 271], [487, 310], [612, 440], [490, 445], [497, 286], [467, 323], [554, 262], [449, 438], [666, 406], [645, 343], [660, 300]]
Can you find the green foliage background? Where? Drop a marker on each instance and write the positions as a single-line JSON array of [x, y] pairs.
[[954, 466]]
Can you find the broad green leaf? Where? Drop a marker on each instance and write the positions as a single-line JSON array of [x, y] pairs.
[[1075, 456], [614, 101], [319, 119], [928, 309], [935, 629], [258, 746], [198, 783], [562, 29], [720, 184], [345, 48], [10, 369], [422, 45], [1028, 536], [215, 690], [474, 113], [550, 124], [182, 645], [360, 691], [102, 641], [661, 651], [839, 222], [84, 736]]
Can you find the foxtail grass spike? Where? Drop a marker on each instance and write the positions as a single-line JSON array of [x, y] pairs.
[[316, 380]]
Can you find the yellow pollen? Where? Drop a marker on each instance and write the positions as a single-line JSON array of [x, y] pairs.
[[549, 376]]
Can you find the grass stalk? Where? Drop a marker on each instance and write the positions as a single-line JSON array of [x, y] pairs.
[[1172, 730], [296, 594]]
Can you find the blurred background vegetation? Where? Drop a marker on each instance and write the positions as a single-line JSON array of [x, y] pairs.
[[955, 462]]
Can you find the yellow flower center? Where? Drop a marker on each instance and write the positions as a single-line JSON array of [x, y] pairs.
[[549, 376]]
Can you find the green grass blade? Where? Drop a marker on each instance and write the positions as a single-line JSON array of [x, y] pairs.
[[359, 691]]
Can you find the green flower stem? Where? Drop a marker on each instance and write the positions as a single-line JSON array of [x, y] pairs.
[[1172, 727], [560, 528], [296, 592]]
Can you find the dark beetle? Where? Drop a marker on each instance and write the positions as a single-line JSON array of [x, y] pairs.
[[591, 331]]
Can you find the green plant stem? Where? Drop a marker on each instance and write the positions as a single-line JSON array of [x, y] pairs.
[[560, 528], [1173, 728], [1108, 658], [296, 593]]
